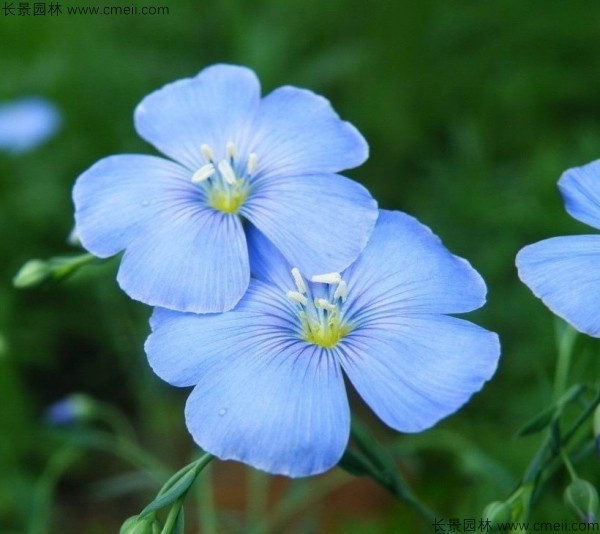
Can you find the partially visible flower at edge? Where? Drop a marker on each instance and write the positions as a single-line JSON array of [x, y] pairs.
[[268, 376], [27, 123], [564, 272], [269, 162]]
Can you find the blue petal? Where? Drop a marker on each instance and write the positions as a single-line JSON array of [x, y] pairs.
[[580, 188], [26, 123], [261, 397], [122, 197], [564, 273], [215, 107], [266, 262], [298, 132], [405, 269], [319, 223], [197, 262], [414, 371]]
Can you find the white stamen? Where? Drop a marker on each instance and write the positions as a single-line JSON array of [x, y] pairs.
[[341, 291], [327, 278], [203, 173], [297, 297], [227, 172], [324, 304], [299, 281], [252, 163], [207, 152], [231, 150]]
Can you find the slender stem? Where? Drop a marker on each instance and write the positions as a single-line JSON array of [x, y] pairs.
[[568, 464], [207, 513], [173, 516], [546, 454], [257, 499], [382, 468], [565, 340], [56, 466]]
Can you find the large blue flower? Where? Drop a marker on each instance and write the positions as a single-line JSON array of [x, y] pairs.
[[270, 161], [268, 376], [565, 271]]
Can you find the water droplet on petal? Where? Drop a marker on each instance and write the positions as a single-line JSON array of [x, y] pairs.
[[145, 203], [222, 411]]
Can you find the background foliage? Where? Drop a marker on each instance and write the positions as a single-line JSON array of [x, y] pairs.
[[472, 111]]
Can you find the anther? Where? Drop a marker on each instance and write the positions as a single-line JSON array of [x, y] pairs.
[[327, 278], [297, 297], [203, 173], [341, 292], [299, 281], [252, 163], [227, 172], [231, 150], [207, 152], [324, 304]]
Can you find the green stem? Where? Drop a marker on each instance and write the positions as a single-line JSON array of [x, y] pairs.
[[565, 340], [257, 495], [207, 514], [568, 464], [42, 497], [381, 467], [173, 516], [547, 453]]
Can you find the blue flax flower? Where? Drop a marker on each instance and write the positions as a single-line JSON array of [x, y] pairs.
[[269, 161], [268, 376], [565, 271], [26, 123]]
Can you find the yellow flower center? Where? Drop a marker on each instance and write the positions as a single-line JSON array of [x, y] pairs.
[[226, 187], [321, 319]]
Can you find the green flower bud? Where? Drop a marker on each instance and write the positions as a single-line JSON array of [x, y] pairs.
[[32, 274], [141, 525], [582, 498]]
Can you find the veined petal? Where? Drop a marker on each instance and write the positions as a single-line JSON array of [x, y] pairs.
[[580, 188], [565, 273], [405, 269], [119, 197], [197, 262], [261, 398], [213, 108], [284, 412], [266, 262], [298, 132], [319, 223], [414, 371]]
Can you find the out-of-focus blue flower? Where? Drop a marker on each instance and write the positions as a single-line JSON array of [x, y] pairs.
[[268, 375], [270, 161], [73, 408], [26, 123], [565, 271]]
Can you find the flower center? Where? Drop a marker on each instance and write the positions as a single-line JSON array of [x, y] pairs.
[[226, 183], [320, 307]]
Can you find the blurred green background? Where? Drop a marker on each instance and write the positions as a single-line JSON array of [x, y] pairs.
[[472, 111]]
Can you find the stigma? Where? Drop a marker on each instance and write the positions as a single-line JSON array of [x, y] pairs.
[[225, 182], [319, 306]]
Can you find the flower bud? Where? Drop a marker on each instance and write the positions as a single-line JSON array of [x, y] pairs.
[[582, 498], [33, 273], [141, 525], [76, 407]]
